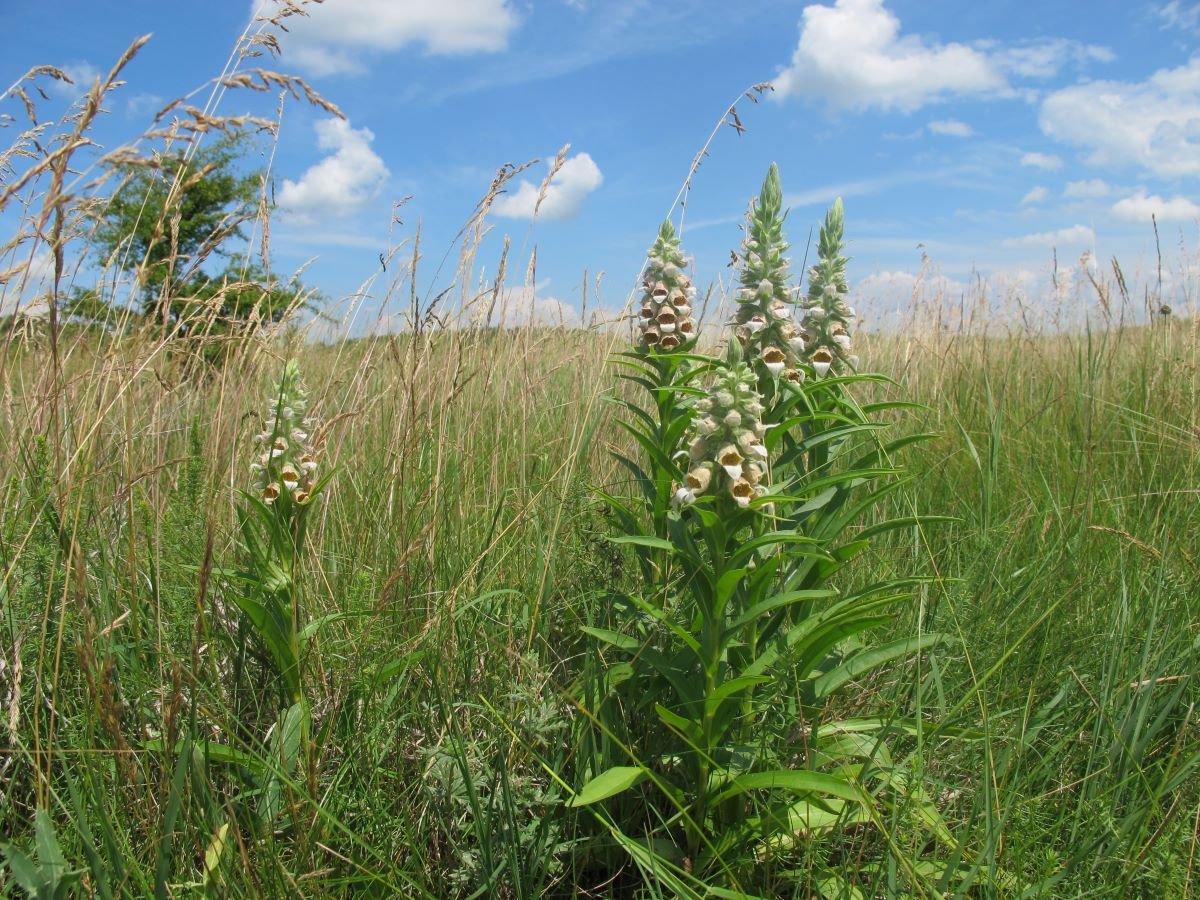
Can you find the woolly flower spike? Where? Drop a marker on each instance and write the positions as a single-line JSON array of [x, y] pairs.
[[666, 313], [725, 441], [287, 465], [765, 320], [828, 320]]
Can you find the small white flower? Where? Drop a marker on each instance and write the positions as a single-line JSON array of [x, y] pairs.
[[774, 359], [733, 418], [821, 361], [756, 323], [683, 497], [279, 447], [698, 479], [781, 310], [842, 340], [742, 492], [797, 344]]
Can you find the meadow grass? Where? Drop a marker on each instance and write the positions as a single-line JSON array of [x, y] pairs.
[[462, 549], [1047, 747]]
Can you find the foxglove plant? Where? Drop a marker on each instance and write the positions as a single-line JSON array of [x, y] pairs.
[[273, 519], [739, 618]]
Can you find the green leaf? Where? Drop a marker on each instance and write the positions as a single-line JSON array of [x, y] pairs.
[[689, 728], [24, 871], [644, 540], [863, 662], [609, 783], [795, 782], [616, 639]]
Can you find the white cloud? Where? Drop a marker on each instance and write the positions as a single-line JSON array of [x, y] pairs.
[[1047, 161], [577, 178], [1077, 235], [1140, 207], [83, 74], [1179, 16], [1036, 195], [341, 183], [1044, 58], [853, 55], [334, 35], [1154, 123], [1092, 187], [951, 128]]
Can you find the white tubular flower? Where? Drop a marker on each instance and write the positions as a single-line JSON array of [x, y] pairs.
[[668, 342], [683, 309], [270, 493], [774, 359], [753, 473], [821, 361], [707, 425], [731, 461], [687, 327], [842, 340], [742, 492], [683, 497], [732, 419], [279, 447], [781, 310], [290, 477], [699, 478], [756, 323], [798, 344]]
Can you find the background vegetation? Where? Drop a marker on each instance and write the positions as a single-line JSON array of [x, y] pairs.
[[460, 547]]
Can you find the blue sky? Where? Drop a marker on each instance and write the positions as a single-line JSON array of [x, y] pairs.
[[987, 139]]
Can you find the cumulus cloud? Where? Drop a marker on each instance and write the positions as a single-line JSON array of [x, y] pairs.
[[1077, 235], [349, 177], [1140, 207], [1088, 187], [577, 178], [1036, 195], [853, 55], [333, 37], [1154, 123], [951, 128], [1047, 161]]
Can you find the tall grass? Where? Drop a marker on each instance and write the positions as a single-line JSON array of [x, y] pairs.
[[459, 550]]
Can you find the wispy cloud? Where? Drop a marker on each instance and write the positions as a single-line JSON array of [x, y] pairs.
[[1087, 188], [1076, 235], [1036, 195], [951, 128], [1047, 161]]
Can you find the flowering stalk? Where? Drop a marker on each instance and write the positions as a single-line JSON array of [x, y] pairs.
[[828, 319], [765, 322], [666, 313]]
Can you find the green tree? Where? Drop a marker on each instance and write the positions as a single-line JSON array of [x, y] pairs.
[[174, 215]]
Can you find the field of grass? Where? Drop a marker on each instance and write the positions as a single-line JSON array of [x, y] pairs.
[[446, 684], [461, 547]]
